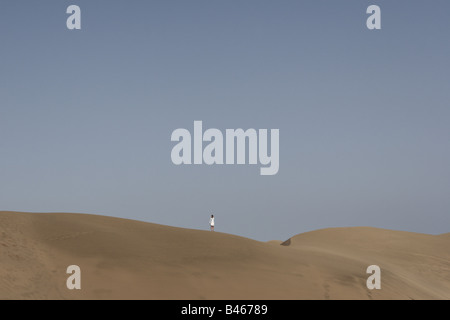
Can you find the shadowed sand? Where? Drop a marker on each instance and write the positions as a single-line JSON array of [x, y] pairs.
[[126, 259]]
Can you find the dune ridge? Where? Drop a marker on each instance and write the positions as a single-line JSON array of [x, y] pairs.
[[126, 259]]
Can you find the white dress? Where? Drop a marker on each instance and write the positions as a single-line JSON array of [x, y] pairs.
[[211, 222]]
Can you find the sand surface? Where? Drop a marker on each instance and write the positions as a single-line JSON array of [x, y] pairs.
[[126, 259]]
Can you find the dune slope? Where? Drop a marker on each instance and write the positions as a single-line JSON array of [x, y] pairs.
[[126, 259]]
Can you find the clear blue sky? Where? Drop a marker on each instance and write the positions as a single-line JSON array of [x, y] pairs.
[[364, 116]]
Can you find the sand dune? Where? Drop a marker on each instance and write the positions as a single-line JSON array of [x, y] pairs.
[[125, 259], [275, 242]]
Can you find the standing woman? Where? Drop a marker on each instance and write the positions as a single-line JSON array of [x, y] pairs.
[[211, 222]]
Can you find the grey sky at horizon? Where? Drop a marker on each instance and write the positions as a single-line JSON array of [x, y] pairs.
[[86, 116]]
